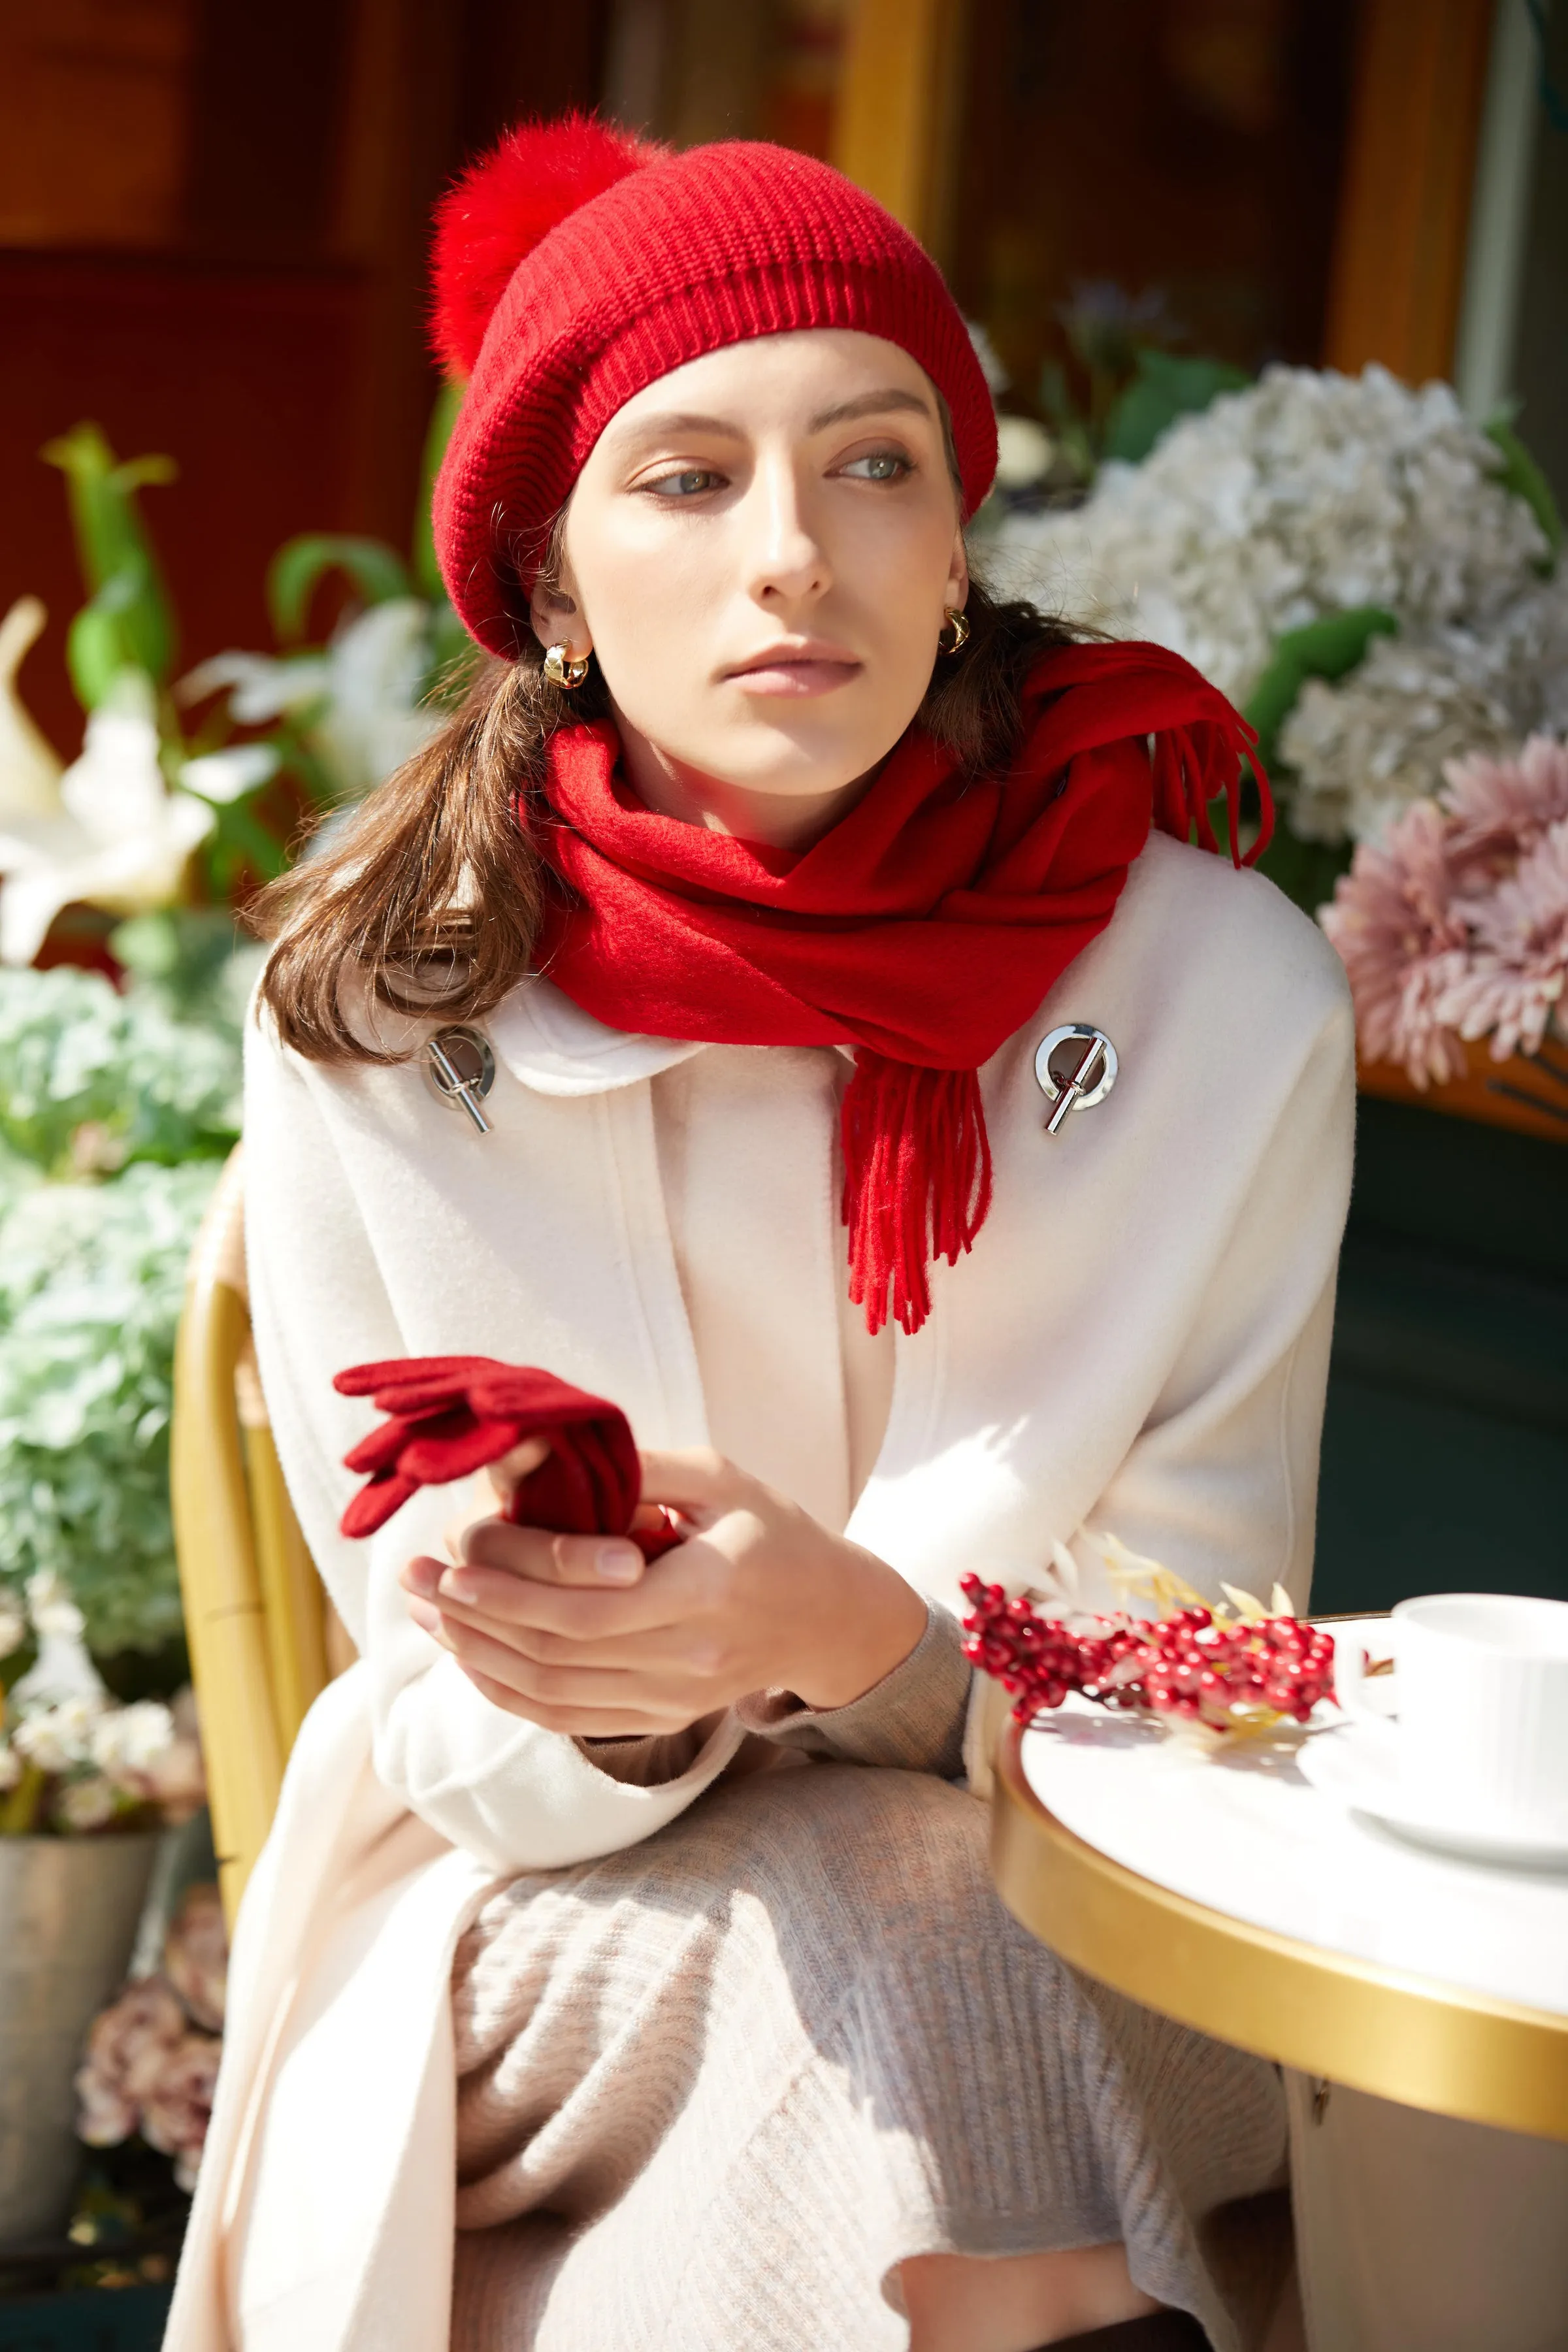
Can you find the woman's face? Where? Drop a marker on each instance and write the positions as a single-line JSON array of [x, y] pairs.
[[759, 552]]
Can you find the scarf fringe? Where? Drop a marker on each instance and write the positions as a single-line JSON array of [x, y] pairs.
[[917, 1181], [1192, 765]]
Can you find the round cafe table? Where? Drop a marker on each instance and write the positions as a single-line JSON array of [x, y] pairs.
[[1228, 1893]]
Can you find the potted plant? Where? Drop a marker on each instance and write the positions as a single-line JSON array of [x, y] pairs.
[[87, 1785]]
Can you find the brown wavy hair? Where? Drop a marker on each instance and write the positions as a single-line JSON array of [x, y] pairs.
[[430, 897]]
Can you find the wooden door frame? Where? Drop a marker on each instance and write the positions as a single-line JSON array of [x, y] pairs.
[[900, 113], [1406, 196], [1398, 274]]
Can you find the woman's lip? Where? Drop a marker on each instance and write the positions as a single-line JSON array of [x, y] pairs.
[[796, 673]]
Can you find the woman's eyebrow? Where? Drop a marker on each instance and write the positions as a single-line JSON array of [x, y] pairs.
[[872, 403], [666, 423]]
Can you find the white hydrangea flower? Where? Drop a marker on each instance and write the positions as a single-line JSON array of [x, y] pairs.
[[56, 1738], [1363, 749], [1311, 493], [132, 1739]]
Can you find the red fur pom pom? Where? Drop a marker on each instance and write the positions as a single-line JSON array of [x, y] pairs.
[[503, 205]]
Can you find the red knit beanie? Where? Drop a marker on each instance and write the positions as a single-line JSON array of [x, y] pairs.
[[576, 264]]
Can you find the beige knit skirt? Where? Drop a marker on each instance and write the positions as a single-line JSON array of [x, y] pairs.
[[714, 2089]]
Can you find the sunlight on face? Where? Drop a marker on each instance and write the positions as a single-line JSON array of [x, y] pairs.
[[759, 552]]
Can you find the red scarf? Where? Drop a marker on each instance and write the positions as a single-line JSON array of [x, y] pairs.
[[924, 927]]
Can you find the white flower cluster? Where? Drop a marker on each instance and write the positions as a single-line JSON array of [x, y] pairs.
[[64, 1728], [1366, 748], [55, 1615], [1312, 493]]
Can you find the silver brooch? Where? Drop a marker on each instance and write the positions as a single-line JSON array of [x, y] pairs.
[[1076, 1068], [461, 1068]]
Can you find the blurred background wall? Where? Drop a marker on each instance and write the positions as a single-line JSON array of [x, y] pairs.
[[213, 220]]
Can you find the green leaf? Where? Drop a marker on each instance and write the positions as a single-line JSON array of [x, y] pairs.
[[133, 623], [238, 840], [178, 955], [1055, 398], [95, 655], [1521, 474], [443, 416], [299, 568], [1305, 870], [1165, 386], [109, 528], [1323, 648]]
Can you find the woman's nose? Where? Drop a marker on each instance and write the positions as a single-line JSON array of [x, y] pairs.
[[784, 555]]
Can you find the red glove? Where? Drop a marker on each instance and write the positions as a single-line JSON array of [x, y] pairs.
[[450, 1416]]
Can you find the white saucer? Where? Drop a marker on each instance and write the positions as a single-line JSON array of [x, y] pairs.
[[1358, 1763]]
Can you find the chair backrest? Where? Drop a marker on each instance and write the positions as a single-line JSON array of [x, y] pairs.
[[264, 1639]]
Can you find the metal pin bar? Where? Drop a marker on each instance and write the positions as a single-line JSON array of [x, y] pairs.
[[457, 1086], [1076, 1084]]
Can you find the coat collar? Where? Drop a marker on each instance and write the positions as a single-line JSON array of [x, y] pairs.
[[555, 1047]]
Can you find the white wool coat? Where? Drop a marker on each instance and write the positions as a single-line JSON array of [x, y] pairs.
[[1138, 1344]]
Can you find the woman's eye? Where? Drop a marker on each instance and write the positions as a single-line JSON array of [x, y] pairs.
[[880, 466], [690, 483]]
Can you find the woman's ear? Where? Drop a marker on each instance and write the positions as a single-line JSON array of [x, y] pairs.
[[556, 616], [958, 576]]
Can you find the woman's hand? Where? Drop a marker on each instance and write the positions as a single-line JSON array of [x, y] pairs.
[[578, 1634]]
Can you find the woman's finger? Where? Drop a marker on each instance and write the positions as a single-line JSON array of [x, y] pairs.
[[677, 1647], [694, 1481], [588, 1687], [506, 1475], [667, 1592], [543, 1557]]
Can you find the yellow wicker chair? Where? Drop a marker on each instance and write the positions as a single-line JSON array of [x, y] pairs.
[[264, 1638]]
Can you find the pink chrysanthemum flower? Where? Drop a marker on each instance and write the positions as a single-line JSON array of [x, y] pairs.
[[178, 2107], [126, 2051], [1501, 808], [1402, 942], [1515, 973], [195, 1957]]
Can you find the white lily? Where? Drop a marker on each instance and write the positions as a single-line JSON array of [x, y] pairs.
[[363, 692], [29, 771], [224, 776], [119, 839]]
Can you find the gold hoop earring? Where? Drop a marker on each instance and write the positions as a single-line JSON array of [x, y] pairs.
[[955, 621], [563, 668]]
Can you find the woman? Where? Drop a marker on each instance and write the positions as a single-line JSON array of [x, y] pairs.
[[759, 863]]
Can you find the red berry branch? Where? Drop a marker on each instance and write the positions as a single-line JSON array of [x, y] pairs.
[[1195, 1665]]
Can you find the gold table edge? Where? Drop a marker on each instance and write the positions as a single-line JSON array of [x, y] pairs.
[[1399, 2036]]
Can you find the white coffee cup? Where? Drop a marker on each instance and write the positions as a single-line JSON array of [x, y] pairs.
[[1482, 1693]]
